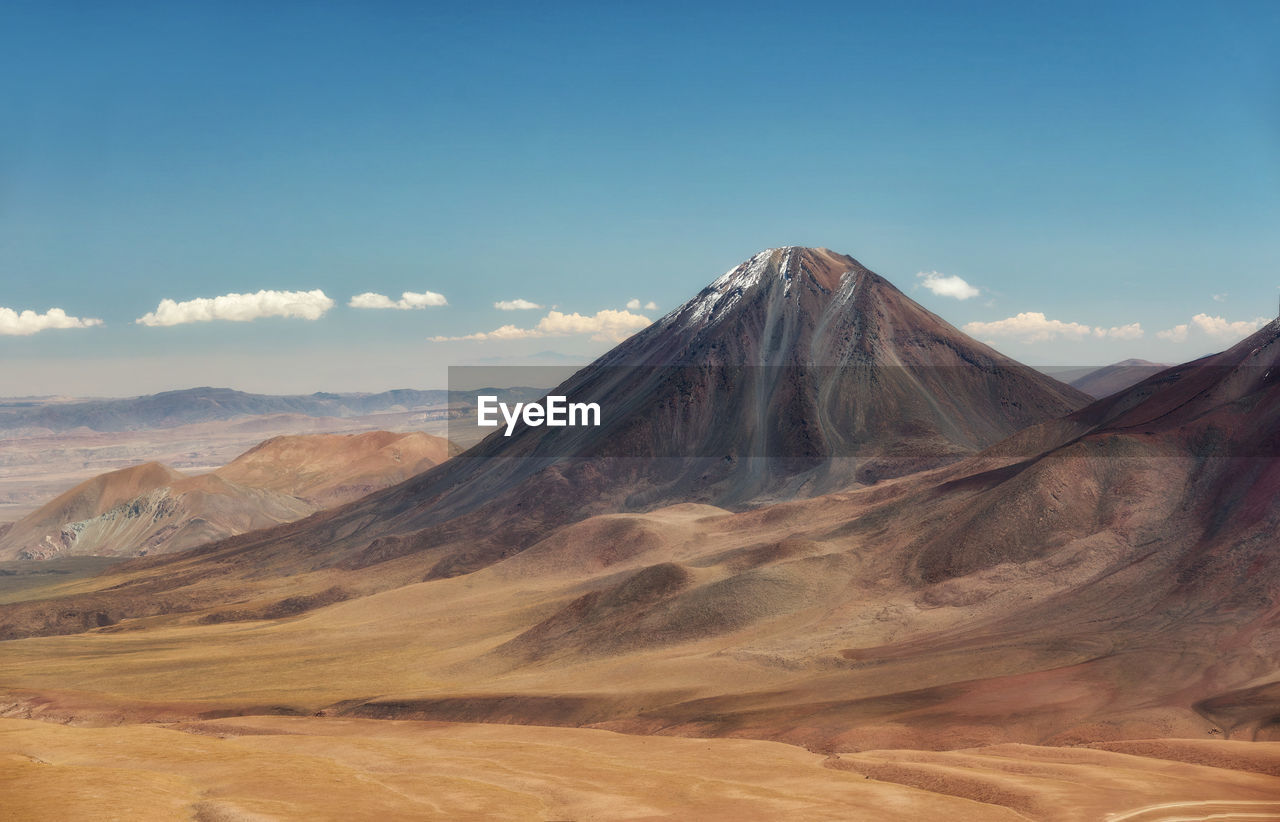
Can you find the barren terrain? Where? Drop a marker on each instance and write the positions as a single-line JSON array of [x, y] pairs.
[[37, 466], [306, 769], [152, 508], [1078, 621]]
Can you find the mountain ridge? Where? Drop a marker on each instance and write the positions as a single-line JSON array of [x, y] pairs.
[[189, 405]]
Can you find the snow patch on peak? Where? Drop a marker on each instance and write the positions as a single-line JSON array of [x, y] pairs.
[[747, 274], [784, 268], [725, 292], [785, 262]]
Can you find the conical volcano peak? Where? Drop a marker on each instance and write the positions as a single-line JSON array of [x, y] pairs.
[[790, 263], [810, 308], [812, 276]]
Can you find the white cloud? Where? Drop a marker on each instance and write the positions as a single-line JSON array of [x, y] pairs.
[[944, 286], [1132, 331], [1029, 327], [1216, 328], [1220, 298], [370, 300], [20, 324], [604, 326], [408, 300], [515, 305], [634, 305], [411, 299], [1222, 329], [307, 305], [503, 332]]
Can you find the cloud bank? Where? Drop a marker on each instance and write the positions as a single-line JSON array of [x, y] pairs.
[[604, 326], [240, 308], [947, 286], [1034, 326], [1216, 328], [515, 305], [1132, 331], [408, 300], [1029, 326], [21, 324]]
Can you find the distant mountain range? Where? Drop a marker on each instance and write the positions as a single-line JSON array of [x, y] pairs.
[[173, 408], [193, 405]]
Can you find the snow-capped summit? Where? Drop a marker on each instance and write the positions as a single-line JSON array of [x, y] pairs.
[[817, 268]]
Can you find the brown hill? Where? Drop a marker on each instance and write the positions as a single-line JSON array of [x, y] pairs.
[[331, 469], [46, 532], [1112, 379], [152, 509], [102, 493]]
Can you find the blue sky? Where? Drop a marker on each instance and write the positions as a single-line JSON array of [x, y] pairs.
[[1101, 164]]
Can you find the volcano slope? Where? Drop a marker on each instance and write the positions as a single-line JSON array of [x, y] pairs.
[[796, 372], [991, 630]]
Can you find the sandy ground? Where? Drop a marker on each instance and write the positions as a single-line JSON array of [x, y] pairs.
[[827, 657], [257, 768]]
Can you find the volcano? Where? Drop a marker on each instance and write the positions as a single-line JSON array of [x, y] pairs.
[[795, 373]]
